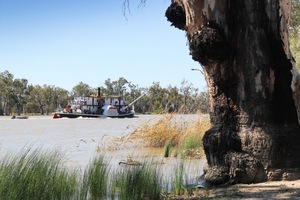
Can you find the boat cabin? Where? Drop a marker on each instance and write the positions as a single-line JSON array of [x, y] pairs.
[[93, 105]]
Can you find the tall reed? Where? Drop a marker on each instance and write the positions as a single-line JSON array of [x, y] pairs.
[[139, 182], [167, 149], [178, 180], [36, 174], [95, 179]]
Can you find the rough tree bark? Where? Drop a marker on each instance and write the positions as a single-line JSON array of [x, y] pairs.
[[243, 48]]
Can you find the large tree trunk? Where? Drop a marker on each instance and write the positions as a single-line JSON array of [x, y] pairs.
[[243, 49]]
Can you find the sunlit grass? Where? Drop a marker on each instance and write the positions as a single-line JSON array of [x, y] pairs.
[[174, 132], [156, 134], [168, 132]]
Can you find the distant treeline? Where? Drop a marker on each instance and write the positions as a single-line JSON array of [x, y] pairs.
[[18, 96]]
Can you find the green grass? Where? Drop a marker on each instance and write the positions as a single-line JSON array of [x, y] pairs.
[[178, 181], [97, 179], [39, 174], [191, 146], [167, 149], [36, 175], [139, 182]]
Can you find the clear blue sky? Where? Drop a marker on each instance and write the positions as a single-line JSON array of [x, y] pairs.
[[63, 42]]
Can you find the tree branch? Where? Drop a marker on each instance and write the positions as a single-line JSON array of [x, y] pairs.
[[126, 6]]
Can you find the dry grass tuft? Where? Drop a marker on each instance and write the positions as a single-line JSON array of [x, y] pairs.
[[172, 128], [191, 142], [184, 135], [156, 134]]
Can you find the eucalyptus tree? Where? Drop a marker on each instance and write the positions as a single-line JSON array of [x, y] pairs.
[[204, 102], [174, 98], [119, 86], [13, 93], [48, 95], [191, 98], [60, 97], [158, 96], [82, 89], [194, 101], [185, 90], [36, 96], [254, 88], [134, 92], [108, 89], [20, 94], [6, 80], [45, 99]]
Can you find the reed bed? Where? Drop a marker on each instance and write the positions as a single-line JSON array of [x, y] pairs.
[[36, 175], [94, 182], [39, 174], [138, 182]]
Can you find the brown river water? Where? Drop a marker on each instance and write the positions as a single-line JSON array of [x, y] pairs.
[[79, 140]]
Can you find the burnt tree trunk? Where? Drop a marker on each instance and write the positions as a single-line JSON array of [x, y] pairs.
[[244, 51]]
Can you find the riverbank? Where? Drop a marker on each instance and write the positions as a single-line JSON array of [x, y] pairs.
[[267, 190]]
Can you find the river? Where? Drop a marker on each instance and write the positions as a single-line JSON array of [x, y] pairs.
[[79, 139]]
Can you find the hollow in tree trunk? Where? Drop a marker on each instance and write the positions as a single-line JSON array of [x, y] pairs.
[[253, 86]]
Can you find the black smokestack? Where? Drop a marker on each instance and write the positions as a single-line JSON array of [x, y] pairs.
[[98, 92]]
